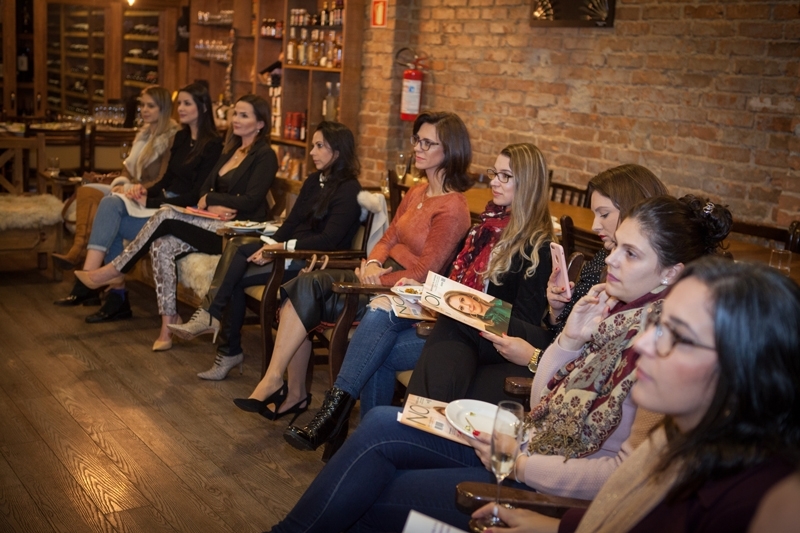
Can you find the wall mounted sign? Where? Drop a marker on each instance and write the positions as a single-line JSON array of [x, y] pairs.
[[379, 13], [584, 13]]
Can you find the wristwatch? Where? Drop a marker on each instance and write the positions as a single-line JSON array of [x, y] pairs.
[[533, 365]]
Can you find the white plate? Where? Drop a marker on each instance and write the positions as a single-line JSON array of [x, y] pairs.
[[269, 229], [245, 225], [403, 292], [480, 415]]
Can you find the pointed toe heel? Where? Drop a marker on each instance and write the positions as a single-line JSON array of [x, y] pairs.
[[222, 367], [252, 405]]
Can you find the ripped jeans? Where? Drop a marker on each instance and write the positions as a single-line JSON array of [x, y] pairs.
[[381, 345]]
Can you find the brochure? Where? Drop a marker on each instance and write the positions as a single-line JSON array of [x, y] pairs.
[[420, 523], [465, 304], [428, 415], [193, 211], [404, 308]]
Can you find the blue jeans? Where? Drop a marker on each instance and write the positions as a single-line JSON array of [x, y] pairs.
[[381, 345], [112, 225], [382, 471]]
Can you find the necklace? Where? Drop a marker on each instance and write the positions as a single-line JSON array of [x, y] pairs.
[[425, 197], [322, 179]]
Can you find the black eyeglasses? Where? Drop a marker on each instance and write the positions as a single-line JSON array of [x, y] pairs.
[[666, 336], [425, 144], [502, 177]]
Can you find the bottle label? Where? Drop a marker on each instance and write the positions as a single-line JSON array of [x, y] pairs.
[[412, 93], [22, 63]]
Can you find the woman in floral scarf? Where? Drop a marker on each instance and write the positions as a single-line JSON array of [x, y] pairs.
[[505, 255], [581, 387]]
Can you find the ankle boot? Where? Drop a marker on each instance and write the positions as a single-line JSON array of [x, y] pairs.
[[80, 295], [116, 307], [88, 199], [335, 411]]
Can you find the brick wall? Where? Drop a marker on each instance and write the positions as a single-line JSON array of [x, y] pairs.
[[706, 94]]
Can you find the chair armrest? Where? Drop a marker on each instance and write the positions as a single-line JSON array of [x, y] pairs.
[[518, 386], [471, 495], [358, 288], [306, 254]]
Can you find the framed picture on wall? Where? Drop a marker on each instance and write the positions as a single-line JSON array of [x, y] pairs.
[[569, 13]]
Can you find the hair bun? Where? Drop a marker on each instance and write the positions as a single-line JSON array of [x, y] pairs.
[[716, 219]]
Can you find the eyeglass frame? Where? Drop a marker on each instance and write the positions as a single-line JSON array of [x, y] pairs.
[[495, 174], [424, 144], [646, 322]]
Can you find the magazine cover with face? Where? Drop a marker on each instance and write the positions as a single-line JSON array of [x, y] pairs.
[[462, 303]]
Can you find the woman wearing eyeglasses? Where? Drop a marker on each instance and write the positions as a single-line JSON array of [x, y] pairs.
[[507, 256], [424, 233], [721, 363], [582, 411]]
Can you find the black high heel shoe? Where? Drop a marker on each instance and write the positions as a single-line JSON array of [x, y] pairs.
[[251, 405], [295, 409]]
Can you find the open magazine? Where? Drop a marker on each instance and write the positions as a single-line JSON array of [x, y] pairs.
[[404, 308], [428, 415], [465, 304], [420, 523]]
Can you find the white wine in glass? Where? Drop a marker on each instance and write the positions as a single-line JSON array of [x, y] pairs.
[[401, 167], [506, 440]]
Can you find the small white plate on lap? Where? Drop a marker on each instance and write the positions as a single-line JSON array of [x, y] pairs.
[[245, 225], [411, 293], [471, 415]]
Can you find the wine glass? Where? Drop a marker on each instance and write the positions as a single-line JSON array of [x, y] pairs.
[[124, 150], [506, 439], [401, 167]]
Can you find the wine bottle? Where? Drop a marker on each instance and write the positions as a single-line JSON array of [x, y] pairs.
[[329, 104], [324, 15], [24, 64], [291, 47]]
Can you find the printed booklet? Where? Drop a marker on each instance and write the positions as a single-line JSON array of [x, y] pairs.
[[465, 304], [428, 415]]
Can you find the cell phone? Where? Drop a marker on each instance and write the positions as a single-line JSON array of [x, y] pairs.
[[557, 254]]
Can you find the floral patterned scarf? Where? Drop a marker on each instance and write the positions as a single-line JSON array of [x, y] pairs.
[[473, 258], [582, 404]]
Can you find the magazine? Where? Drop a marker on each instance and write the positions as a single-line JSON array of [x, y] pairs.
[[428, 415], [420, 523], [193, 211], [465, 304], [404, 308]]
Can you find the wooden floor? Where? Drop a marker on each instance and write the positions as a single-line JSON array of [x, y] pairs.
[[99, 433]]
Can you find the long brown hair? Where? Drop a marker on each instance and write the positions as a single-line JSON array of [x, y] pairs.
[[529, 224], [454, 136], [263, 113]]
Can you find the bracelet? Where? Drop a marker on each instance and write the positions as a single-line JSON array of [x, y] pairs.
[[374, 261]]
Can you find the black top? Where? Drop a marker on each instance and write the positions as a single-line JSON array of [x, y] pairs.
[[247, 189], [590, 276], [528, 297], [337, 229], [183, 177]]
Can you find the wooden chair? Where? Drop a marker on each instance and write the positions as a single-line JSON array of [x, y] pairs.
[[104, 148], [17, 151], [790, 238], [472, 495], [269, 302], [396, 192], [575, 239], [68, 145], [568, 194]]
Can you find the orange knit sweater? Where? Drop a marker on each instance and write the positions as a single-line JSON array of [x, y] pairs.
[[423, 239]]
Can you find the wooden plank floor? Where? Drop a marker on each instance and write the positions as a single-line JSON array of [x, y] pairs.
[[99, 433]]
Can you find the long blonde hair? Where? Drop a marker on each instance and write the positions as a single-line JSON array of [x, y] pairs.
[[163, 100], [530, 224]]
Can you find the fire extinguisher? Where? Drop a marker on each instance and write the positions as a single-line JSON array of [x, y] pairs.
[[411, 93]]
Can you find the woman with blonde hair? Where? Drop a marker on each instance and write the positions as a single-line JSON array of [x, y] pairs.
[[147, 161], [506, 255]]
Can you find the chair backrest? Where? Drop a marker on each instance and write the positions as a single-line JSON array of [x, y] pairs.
[[396, 191], [18, 151], [480, 181], [104, 148], [790, 238], [568, 194], [575, 239], [574, 266], [361, 238], [68, 145]]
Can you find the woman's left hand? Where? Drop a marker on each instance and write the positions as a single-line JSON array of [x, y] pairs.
[[258, 257], [370, 274], [482, 443], [225, 213], [515, 349], [518, 520]]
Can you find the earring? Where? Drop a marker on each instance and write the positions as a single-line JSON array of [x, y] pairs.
[[665, 281]]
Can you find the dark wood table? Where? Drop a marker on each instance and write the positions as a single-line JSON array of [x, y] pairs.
[[583, 218]]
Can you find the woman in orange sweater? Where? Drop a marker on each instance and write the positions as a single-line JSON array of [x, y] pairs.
[[424, 235]]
